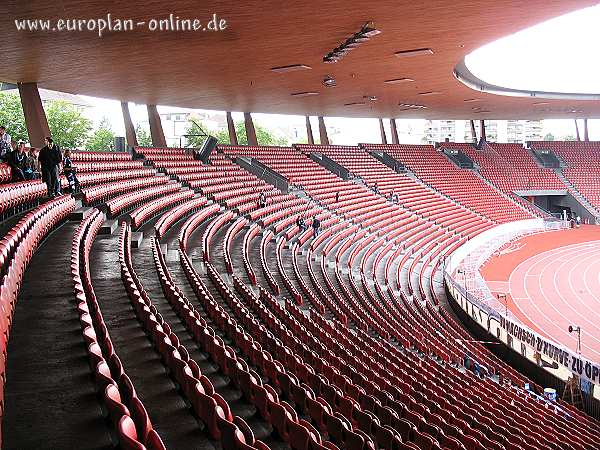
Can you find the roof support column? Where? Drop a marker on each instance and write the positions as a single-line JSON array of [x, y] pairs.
[[394, 131], [382, 130], [482, 136], [250, 131], [323, 131], [310, 138], [156, 130], [35, 116], [231, 128], [577, 130], [473, 132], [129, 129], [586, 136]]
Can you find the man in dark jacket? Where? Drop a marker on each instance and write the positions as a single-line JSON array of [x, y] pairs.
[[49, 158], [316, 225]]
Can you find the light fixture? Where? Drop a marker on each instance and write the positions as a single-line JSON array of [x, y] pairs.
[[412, 106], [414, 52], [399, 80], [303, 94], [576, 329], [354, 41], [291, 68], [369, 30], [329, 81]]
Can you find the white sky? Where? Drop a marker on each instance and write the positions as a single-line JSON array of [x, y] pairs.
[[559, 55]]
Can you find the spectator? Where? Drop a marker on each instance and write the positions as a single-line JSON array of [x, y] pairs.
[[337, 197], [376, 188], [262, 200], [393, 197], [5, 147], [49, 158], [316, 224], [32, 166], [70, 172], [17, 160], [301, 224]]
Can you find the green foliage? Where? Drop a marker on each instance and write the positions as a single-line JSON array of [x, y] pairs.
[[264, 136], [549, 137], [570, 137], [195, 141], [143, 137], [11, 116], [222, 136], [68, 127], [102, 139]]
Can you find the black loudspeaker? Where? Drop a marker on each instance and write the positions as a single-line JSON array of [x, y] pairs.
[[120, 145], [209, 145]]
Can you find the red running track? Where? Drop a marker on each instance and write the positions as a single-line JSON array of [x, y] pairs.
[[552, 280]]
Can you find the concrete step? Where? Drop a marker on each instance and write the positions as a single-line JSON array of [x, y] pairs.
[[81, 213], [108, 227], [136, 239]]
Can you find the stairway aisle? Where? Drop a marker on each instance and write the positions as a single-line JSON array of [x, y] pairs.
[[50, 395]]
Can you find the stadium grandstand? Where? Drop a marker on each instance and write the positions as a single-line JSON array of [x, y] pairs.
[[378, 296]]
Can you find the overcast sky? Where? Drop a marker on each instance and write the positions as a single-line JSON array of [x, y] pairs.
[[560, 55]]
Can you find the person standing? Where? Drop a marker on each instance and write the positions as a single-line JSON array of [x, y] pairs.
[[50, 157], [5, 147], [316, 224], [262, 200]]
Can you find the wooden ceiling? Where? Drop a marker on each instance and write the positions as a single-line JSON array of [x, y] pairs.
[[230, 70]]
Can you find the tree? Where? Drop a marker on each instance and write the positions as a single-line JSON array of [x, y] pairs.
[[11, 116], [68, 127], [143, 137], [264, 136], [198, 140], [549, 137], [102, 139], [570, 137]]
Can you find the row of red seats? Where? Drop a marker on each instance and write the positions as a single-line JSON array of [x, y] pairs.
[[16, 250], [167, 220], [97, 166], [193, 221], [126, 410], [128, 200], [150, 209], [85, 156], [5, 173], [104, 191]]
